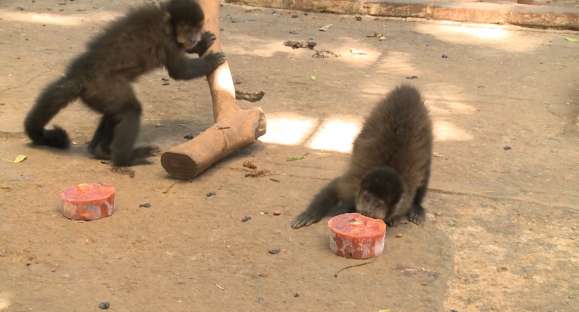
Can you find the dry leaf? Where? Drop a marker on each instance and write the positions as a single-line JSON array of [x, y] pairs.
[[358, 52], [326, 27], [19, 159], [294, 158]]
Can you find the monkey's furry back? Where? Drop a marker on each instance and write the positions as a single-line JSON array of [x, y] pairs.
[[397, 133], [127, 46]]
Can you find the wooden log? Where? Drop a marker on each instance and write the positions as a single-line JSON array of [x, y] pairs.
[[234, 128], [237, 130]]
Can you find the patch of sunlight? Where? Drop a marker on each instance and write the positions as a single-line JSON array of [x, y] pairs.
[[444, 99], [397, 63], [484, 32], [224, 82], [5, 300], [392, 64], [356, 53], [337, 134], [447, 131], [253, 46], [495, 36], [288, 128], [56, 19]]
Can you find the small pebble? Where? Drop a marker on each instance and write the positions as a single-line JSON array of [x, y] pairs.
[[210, 194], [294, 16], [444, 56], [411, 77], [502, 269], [358, 18], [296, 295], [249, 164], [145, 205], [398, 235], [104, 305], [276, 213], [274, 251], [245, 218], [506, 147], [188, 136]]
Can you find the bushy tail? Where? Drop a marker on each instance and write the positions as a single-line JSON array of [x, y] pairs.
[[53, 98]]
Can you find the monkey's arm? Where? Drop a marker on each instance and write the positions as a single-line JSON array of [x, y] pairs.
[[181, 67], [330, 200]]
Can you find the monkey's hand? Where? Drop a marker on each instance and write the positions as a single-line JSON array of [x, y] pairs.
[[207, 39], [215, 59], [306, 218], [183, 68]]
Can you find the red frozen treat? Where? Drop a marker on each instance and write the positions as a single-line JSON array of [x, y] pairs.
[[353, 235], [88, 201]]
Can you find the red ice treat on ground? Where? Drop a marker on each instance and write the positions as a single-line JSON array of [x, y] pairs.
[[88, 201], [353, 235]]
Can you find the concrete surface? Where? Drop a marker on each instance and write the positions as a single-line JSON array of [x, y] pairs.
[[501, 233], [564, 15]]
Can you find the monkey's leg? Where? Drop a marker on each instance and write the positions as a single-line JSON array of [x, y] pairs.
[[100, 145], [125, 136], [417, 214], [126, 130]]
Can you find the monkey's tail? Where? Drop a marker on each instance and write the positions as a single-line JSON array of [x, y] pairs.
[[53, 98]]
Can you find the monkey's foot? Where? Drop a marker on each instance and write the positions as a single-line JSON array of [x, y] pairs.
[[99, 152], [146, 151], [393, 221], [306, 218], [417, 215]]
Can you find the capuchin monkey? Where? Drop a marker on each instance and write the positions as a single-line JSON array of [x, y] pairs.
[[389, 169], [148, 37]]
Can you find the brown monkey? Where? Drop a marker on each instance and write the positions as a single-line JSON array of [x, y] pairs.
[[148, 37], [390, 165]]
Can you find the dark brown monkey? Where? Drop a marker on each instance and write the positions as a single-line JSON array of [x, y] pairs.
[[148, 37], [390, 165]]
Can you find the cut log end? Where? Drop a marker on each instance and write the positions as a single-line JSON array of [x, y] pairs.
[[179, 166]]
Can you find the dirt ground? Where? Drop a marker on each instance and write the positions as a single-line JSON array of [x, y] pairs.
[[501, 233]]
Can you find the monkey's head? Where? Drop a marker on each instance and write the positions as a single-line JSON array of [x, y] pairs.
[[380, 191], [186, 18]]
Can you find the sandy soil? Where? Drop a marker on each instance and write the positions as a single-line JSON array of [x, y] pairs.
[[502, 229]]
